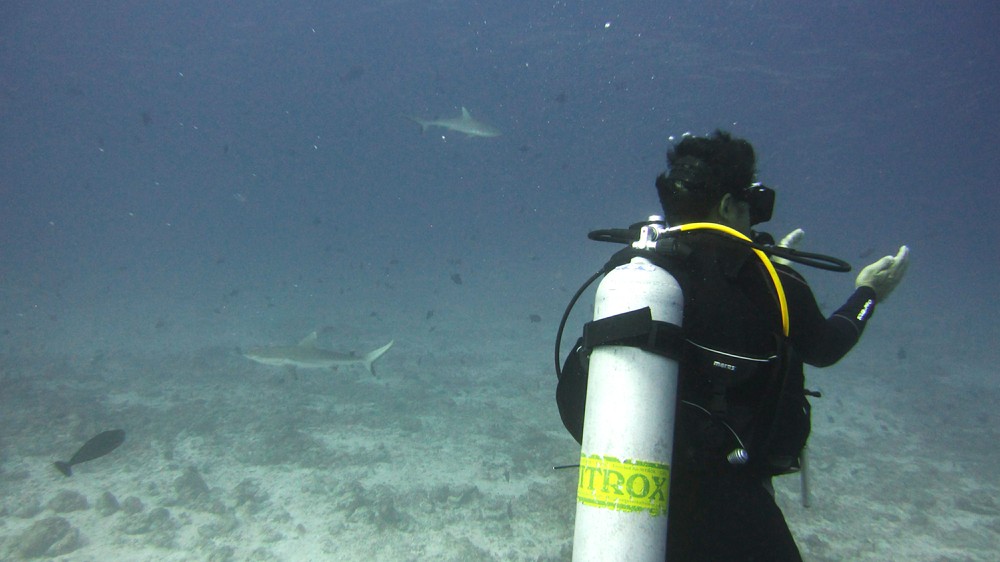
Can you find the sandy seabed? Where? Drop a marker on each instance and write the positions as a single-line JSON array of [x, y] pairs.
[[447, 455]]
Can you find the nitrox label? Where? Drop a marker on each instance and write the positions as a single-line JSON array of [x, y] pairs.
[[609, 483]]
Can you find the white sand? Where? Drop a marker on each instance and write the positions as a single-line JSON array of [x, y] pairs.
[[446, 456]]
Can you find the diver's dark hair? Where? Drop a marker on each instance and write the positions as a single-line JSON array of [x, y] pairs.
[[712, 167]]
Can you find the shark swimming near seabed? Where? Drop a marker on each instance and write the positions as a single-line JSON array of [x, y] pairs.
[[464, 123], [306, 355]]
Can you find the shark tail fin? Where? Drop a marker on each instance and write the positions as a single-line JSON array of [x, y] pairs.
[[64, 467], [369, 360]]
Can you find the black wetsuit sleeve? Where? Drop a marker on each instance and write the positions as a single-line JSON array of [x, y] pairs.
[[818, 340]]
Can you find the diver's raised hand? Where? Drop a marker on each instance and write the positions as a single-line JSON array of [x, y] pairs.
[[884, 275], [790, 241]]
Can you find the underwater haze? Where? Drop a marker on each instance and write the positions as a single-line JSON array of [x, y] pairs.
[[181, 182]]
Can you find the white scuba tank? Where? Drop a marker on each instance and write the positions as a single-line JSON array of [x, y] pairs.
[[623, 486]]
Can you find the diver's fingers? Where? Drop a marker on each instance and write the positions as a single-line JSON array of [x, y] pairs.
[[883, 264], [899, 262], [792, 239]]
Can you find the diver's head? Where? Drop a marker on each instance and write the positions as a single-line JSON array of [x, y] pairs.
[[712, 179]]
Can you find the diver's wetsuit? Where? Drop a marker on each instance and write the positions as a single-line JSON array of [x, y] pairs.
[[722, 512]]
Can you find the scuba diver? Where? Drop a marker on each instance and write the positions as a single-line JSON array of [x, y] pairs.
[[749, 324]]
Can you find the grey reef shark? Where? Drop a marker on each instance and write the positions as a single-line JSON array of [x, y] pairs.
[[306, 355], [464, 123]]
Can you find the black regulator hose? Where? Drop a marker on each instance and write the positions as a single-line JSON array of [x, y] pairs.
[[818, 261], [565, 317], [809, 259]]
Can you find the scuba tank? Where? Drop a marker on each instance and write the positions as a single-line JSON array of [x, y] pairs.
[[621, 510]]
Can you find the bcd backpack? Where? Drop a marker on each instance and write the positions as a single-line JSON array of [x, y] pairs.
[[741, 395]]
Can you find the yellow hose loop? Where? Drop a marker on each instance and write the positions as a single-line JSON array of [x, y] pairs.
[[763, 258]]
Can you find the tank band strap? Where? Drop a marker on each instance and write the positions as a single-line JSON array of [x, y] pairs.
[[636, 328]]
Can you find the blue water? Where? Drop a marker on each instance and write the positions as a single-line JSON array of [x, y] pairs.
[[182, 175]]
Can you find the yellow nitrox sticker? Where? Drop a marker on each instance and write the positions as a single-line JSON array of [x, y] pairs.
[[609, 483]]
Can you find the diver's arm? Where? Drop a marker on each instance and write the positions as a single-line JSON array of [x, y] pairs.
[[818, 340]]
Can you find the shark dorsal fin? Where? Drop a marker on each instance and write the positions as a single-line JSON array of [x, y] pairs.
[[308, 341], [465, 114]]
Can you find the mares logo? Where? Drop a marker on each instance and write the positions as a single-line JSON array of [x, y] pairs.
[[865, 310], [608, 483]]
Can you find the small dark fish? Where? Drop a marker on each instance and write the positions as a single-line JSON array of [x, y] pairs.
[[456, 278], [98, 446]]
